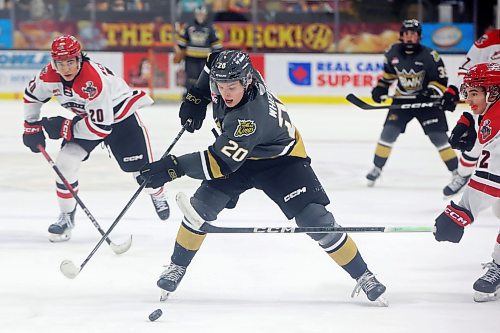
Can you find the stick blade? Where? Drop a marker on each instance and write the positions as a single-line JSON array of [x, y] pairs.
[[121, 248], [69, 269]]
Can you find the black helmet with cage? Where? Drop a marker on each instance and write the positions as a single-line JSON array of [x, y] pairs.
[[411, 25], [230, 66]]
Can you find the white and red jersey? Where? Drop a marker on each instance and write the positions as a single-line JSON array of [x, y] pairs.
[[485, 49], [96, 95], [483, 188]]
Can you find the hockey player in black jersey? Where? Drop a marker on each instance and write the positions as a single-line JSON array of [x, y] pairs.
[[420, 74], [258, 147], [194, 44]]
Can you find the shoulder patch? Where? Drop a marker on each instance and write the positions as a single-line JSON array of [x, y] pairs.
[[245, 128], [435, 55]]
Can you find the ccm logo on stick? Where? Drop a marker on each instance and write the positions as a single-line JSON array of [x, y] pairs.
[[294, 194]]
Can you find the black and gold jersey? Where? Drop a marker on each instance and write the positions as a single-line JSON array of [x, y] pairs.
[[414, 72], [259, 127]]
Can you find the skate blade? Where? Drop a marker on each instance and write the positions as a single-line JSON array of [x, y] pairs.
[[480, 297], [382, 302], [370, 183], [57, 238], [164, 295]]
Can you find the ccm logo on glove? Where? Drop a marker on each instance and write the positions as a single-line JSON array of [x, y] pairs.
[[459, 217]]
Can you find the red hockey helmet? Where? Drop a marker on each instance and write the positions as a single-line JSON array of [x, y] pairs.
[[65, 47], [486, 75]]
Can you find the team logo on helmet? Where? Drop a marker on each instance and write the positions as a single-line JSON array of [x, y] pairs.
[[90, 89], [245, 128]]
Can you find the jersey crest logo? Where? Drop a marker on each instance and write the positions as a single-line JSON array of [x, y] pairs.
[[245, 128], [411, 80], [90, 89], [485, 130]]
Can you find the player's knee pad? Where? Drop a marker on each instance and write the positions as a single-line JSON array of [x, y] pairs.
[[390, 133], [209, 202], [438, 139], [69, 160], [316, 215]]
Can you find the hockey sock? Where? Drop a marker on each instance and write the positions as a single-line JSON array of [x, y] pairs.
[[346, 255], [187, 243]]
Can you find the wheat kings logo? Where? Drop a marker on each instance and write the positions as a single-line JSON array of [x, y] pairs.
[[245, 128], [411, 80]]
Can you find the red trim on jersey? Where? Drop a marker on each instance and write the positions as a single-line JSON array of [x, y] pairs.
[[490, 124], [490, 38], [493, 191], [28, 102], [129, 105], [498, 239], [93, 130], [49, 74], [467, 164], [87, 74]]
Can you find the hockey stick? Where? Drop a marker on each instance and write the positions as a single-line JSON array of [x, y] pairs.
[[117, 248], [198, 223], [365, 106], [208, 228], [68, 268]]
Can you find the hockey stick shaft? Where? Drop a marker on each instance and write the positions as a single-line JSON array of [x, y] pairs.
[[131, 201], [73, 192], [208, 228], [365, 106]]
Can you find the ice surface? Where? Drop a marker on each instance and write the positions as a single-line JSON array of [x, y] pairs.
[[240, 283]]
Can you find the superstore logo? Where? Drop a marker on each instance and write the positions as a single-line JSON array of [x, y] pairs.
[[335, 74], [300, 73], [23, 60]]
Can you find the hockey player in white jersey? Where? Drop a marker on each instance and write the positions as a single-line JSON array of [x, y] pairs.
[[485, 50], [482, 90], [105, 111]]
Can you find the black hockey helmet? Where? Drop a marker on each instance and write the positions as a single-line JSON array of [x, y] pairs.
[[411, 25], [229, 66]]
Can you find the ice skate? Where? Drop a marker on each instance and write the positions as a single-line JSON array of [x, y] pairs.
[[487, 286], [170, 279], [371, 287], [457, 184], [373, 175], [161, 206], [61, 230]]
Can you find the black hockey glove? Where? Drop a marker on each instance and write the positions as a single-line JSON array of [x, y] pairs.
[[160, 172], [193, 107], [450, 224], [378, 92], [463, 136], [33, 135], [59, 127], [450, 99]]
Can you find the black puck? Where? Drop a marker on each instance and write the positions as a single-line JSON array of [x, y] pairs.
[[155, 314]]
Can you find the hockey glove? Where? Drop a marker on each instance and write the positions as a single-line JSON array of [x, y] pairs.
[[160, 172], [193, 107], [463, 136], [379, 91], [33, 135], [450, 99], [450, 224], [59, 127]]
